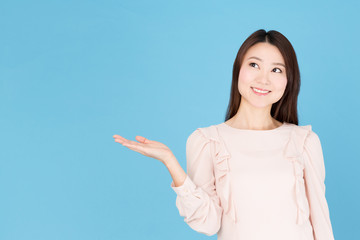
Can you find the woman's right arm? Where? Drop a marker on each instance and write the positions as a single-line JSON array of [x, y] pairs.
[[196, 199]]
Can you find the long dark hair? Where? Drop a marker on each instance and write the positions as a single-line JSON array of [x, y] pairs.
[[284, 110]]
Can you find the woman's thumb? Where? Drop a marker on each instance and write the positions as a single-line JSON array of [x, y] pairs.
[[142, 139]]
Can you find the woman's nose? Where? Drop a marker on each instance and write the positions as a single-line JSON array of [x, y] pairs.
[[263, 78]]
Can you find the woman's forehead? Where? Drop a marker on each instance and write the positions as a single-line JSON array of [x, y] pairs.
[[264, 52]]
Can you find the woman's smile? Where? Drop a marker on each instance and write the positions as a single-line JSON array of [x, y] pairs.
[[260, 92]]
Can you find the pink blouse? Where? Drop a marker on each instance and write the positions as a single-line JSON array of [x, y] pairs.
[[255, 184]]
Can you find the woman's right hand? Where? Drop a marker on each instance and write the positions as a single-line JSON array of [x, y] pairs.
[[147, 147]]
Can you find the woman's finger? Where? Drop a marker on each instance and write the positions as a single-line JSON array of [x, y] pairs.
[[130, 144], [134, 147], [143, 139], [121, 139], [127, 142], [140, 139]]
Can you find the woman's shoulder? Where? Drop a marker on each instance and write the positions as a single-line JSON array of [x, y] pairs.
[[206, 131], [307, 127], [305, 134]]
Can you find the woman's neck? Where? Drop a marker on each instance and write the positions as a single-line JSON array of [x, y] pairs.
[[252, 118]]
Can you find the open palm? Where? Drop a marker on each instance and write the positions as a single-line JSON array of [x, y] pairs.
[[146, 147]]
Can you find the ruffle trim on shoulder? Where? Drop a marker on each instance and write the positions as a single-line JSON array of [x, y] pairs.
[[294, 152], [221, 158]]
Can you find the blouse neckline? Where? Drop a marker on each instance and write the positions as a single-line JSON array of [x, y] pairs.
[[252, 130]]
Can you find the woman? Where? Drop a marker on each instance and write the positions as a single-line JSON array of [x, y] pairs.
[[258, 175]]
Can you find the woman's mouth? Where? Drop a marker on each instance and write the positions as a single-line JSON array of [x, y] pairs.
[[260, 92]]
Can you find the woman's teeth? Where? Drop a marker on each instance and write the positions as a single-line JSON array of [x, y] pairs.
[[259, 91]]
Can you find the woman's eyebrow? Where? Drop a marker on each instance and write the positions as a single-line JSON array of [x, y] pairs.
[[262, 60]]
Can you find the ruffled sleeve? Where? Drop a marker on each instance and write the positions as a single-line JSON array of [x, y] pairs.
[[196, 199], [222, 157], [315, 188]]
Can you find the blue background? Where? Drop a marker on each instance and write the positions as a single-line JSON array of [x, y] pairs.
[[74, 73]]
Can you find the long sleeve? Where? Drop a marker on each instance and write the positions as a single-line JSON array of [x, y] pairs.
[[314, 176], [196, 199]]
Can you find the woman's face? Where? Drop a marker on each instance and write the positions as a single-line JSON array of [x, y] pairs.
[[263, 67]]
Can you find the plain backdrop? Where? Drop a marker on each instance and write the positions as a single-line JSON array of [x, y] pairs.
[[74, 73]]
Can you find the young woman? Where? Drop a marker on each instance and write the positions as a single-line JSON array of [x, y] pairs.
[[258, 175]]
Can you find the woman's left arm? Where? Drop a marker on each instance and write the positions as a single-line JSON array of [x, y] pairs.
[[314, 177]]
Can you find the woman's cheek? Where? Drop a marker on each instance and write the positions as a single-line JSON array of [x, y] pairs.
[[245, 76], [280, 82], [284, 82]]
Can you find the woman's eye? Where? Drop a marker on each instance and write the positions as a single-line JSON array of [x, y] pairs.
[[251, 64], [279, 70]]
